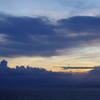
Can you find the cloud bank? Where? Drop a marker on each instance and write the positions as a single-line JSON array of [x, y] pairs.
[[26, 36], [95, 71], [28, 77]]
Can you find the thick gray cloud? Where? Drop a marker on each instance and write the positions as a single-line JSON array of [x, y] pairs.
[[82, 24], [25, 36]]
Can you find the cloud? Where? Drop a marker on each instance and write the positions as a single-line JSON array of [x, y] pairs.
[[22, 71], [28, 77], [66, 68], [82, 24], [21, 77], [26, 36], [95, 71]]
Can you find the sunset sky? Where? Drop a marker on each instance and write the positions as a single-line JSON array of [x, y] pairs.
[[51, 34]]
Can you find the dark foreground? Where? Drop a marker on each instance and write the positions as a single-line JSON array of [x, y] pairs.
[[50, 94]]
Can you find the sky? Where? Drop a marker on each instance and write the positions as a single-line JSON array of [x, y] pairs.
[[49, 43], [50, 34]]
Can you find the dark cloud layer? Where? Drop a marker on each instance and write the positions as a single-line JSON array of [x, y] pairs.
[[95, 71], [31, 77], [28, 77], [25, 36], [22, 71], [81, 24]]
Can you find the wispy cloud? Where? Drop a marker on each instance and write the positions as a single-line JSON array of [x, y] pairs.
[[66, 68]]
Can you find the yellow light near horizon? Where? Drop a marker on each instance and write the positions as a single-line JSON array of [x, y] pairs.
[[50, 62]]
